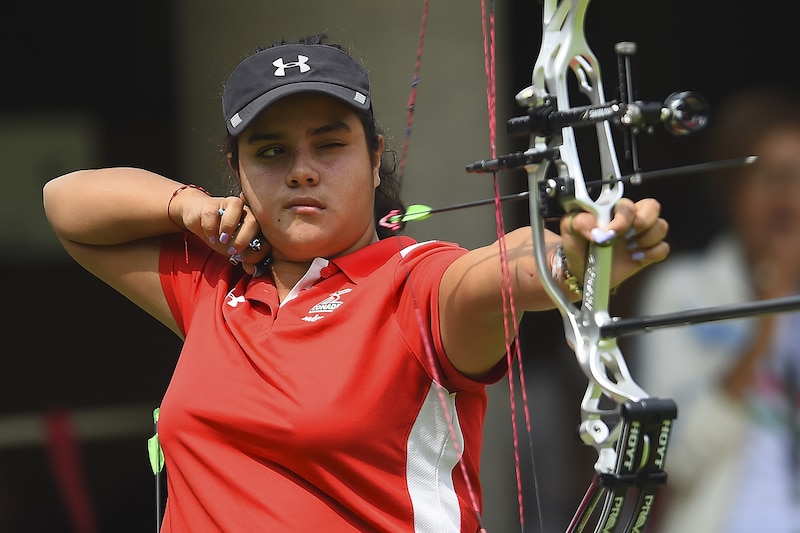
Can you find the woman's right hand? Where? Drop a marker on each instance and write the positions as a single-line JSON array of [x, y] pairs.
[[226, 224]]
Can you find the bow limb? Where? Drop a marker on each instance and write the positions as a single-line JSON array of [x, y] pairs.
[[564, 50]]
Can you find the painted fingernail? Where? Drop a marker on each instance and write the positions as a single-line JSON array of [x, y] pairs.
[[630, 233], [212, 239], [637, 255], [255, 245], [224, 238], [632, 245], [232, 250], [601, 236]]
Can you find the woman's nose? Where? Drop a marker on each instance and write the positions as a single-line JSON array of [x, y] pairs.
[[303, 171]]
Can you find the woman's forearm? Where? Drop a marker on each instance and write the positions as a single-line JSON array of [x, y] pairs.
[[110, 206]]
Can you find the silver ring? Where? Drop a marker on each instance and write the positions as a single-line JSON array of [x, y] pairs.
[[255, 245], [221, 211]]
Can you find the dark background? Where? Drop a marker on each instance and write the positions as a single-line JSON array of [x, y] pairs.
[[68, 338], [70, 341]]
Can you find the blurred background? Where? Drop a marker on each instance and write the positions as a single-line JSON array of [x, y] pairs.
[[94, 83]]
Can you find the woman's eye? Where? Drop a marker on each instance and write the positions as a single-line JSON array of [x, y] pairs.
[[333, 144], [270, 151]]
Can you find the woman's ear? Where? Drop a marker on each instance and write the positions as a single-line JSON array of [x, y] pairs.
[[376, 161], [234, 167], [376, 155]]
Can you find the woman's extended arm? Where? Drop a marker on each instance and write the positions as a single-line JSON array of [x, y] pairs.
[[471, 305]]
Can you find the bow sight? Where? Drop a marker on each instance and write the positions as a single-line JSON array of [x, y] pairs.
[[681, 113]]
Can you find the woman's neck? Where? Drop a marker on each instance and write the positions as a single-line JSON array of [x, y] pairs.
[[286, 274]]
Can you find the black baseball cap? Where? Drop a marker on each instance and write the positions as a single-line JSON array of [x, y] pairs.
[[270, 74]]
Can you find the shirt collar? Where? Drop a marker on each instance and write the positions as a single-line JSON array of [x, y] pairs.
[[359, 264]]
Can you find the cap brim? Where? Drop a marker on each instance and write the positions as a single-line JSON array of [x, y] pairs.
[[239, 121]]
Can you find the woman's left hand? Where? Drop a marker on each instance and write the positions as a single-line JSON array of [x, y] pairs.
[[636, 232]]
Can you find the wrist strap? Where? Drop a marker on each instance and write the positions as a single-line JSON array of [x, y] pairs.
[[176, 192]]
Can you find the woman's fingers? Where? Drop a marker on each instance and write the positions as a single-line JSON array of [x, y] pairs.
[[645, 236], [231, 215], [640, 221], [636, 230], [247, 245]]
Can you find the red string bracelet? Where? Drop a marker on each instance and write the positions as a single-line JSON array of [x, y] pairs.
[[178, 190]]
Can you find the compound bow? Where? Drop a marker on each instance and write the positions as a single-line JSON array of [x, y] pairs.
[[628, 428]]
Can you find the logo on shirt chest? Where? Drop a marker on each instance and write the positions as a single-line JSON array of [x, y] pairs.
[[232, 300], [328, 305]]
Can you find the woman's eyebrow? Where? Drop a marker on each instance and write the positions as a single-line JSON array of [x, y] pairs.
[[333, 126], [326, 128], [261, 137]]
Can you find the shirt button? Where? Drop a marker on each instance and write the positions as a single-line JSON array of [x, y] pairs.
[[326, 272]]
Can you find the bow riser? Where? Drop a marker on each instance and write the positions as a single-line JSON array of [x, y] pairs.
[[564, 50], [605, 425]]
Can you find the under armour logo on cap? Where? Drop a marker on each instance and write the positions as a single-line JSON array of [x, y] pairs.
[[301, 63], [271, 74]]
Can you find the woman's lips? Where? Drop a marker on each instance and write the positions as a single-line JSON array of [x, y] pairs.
[[305, 206]]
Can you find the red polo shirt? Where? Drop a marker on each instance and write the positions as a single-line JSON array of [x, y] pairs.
[[319, 413]]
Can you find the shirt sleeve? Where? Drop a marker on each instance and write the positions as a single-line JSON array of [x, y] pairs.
[[420, 274], [188, 269]]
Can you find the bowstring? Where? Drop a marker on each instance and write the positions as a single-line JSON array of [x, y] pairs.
[[425, 329], [412, 97], [511, 330]]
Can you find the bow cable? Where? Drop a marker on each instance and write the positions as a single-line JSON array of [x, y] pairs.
[[412, 96], [391, 221], [511, 329], [425, 329]]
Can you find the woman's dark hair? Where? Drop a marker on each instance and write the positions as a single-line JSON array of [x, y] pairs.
[[387, 194]]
